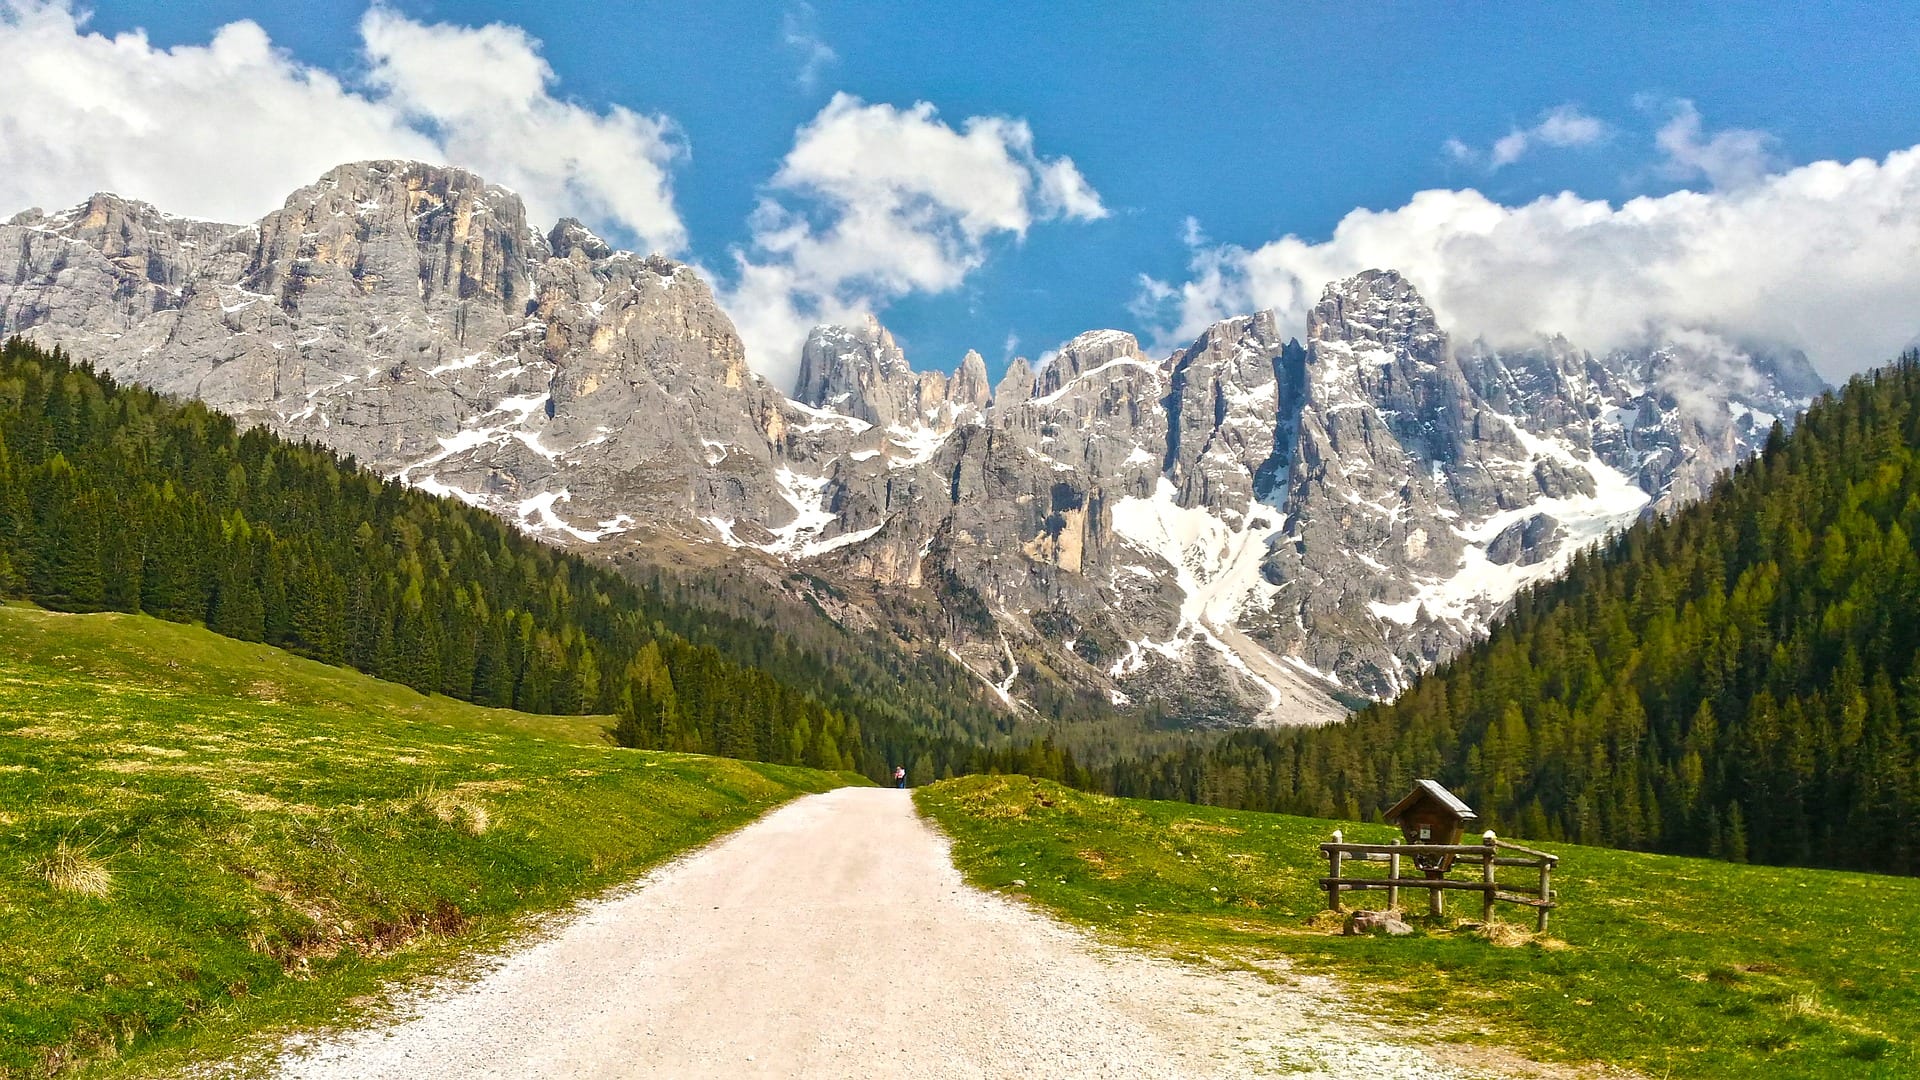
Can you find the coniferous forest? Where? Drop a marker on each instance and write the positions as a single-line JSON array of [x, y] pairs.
[[1740, 679], [113, 498]]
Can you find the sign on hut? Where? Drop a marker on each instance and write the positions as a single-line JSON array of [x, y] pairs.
[[1432, 821]]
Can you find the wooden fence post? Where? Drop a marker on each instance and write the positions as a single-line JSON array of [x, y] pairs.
[[1486, 878], [1393, 874], [1546, 894], [1333, 857]]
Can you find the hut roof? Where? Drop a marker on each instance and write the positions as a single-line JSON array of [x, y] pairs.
[[1430, 789]]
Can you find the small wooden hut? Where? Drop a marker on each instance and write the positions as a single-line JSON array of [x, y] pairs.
[[1430, 814]]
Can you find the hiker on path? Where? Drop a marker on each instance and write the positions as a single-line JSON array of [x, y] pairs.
[[899, 776]]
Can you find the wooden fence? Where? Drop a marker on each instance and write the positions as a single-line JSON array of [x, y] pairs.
[[1434, 861]]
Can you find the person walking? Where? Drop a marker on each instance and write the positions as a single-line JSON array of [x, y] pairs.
[[899, 776]]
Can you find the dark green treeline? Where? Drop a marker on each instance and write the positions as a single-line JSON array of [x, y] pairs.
[[115, 498], [1738, 680]]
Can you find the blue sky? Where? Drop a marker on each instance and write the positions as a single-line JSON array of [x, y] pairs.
[[1253, 121]]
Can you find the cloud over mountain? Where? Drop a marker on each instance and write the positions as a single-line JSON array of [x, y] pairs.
[[1818, 257], [875, 202], [1729, 158], [221, 130]]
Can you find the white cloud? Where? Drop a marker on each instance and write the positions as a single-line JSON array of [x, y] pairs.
[[1733, 157], [1065, 193], [1507, 149], [486, 92], [800, 30], [875, 202], [1566, 125], [1158, 302], [1820, 257], [225, 130], [1561, 126]]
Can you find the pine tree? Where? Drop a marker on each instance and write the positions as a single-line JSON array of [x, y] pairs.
[[64, 566]]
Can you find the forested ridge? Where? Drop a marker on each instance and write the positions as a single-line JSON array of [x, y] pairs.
[[115, 498], [1738, 679]]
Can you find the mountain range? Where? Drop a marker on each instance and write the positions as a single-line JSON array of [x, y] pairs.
[[1254, 528]]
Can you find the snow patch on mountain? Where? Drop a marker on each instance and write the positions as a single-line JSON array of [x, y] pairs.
[[536, 515], [1216, 565]]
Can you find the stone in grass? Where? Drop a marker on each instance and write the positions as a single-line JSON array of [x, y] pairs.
[[1376, 922]]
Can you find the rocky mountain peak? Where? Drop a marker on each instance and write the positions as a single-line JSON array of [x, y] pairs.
[[1229, 390], [1261, 326], [1016, 386], [428, 183], [1088, 352], [103, 220], [1702, 374], [858, 371], [400, 228], [106, 263], [1790, 372], [568, 238], [970, 386], [1372, 338], [1376, 307]]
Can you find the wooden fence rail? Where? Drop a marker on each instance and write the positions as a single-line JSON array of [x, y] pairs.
[[1489, 857]]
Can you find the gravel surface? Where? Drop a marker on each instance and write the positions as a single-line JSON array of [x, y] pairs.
[[834, 938]]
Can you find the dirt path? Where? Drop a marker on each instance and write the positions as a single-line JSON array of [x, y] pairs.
[[834, 938]]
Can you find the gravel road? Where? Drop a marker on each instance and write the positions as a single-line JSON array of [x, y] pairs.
[[834, 938]]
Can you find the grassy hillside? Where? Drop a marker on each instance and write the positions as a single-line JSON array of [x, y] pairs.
[[203, 839], [1673, 966]]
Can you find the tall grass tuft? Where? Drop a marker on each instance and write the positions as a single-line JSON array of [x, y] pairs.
[[454, 808], [72, 868]]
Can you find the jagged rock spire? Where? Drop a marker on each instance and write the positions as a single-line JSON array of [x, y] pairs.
[[857, 371]]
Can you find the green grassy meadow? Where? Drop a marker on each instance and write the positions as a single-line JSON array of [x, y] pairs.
[[206, 843], [1669, 966]]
